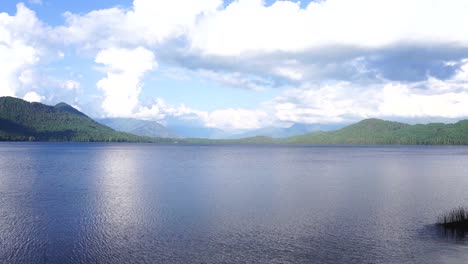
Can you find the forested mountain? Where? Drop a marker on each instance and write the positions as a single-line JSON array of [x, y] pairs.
[[381, 132], [21, 120]]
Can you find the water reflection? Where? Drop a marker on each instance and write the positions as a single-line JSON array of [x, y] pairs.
[[137, 203], [120, 184], [113, 216], [20, 236], [454, 235]]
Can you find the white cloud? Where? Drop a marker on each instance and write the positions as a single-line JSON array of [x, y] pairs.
[[33, 97], [147, 23], [227, 119], [290, 73], [462, 73], [27, 77], [251, 26], [255, 41], [344, 101], [123, 82], [56, 85], [15, 59], [251, 45], [18, 49], [236, 79], [158, 20], [235, 118], [76, 107], [70, 85], [405, 101], [159, 110], [336, 102], [325, 104], [432, 98], [92, 30]]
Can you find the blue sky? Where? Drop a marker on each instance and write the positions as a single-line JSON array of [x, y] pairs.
[[239, 65]]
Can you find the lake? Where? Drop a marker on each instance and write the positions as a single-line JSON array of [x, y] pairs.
[[148, 203]]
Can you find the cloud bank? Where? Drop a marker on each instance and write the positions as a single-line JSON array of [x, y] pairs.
[[332, 60]]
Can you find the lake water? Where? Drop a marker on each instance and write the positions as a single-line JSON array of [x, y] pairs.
[[144, 203]]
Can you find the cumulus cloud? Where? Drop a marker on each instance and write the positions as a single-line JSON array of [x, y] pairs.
[[227, 119], [333, 39], [339, 102], [122, 85], [18, 51], [334, 102], [25, 45], [337, 60], [148, 22], [159, 20], [33, 97], [70, 85], [285, 26], [159, 110], [405, 101]]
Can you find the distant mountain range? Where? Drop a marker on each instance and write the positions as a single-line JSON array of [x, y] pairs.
[[154, 129], [23, 121], [151, 128], [138, 127], [294, 130], [188, 131]]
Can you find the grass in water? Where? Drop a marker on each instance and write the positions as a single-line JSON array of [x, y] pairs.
[[457, 218]]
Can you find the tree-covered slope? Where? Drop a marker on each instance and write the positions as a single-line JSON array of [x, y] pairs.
[[21, 120], [375, 131]]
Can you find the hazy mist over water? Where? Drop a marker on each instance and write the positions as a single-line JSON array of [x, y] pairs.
[[149, 203]]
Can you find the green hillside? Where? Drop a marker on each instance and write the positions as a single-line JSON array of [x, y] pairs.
[[380, 132], [20, 121]]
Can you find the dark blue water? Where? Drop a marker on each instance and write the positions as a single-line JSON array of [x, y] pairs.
[[139, 203]]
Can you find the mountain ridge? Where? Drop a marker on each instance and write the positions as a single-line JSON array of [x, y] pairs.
[[24, 121], [138, 127], [381, 132], [285, 132]]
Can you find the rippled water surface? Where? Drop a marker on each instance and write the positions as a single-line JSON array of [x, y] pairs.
[[143, 203]]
